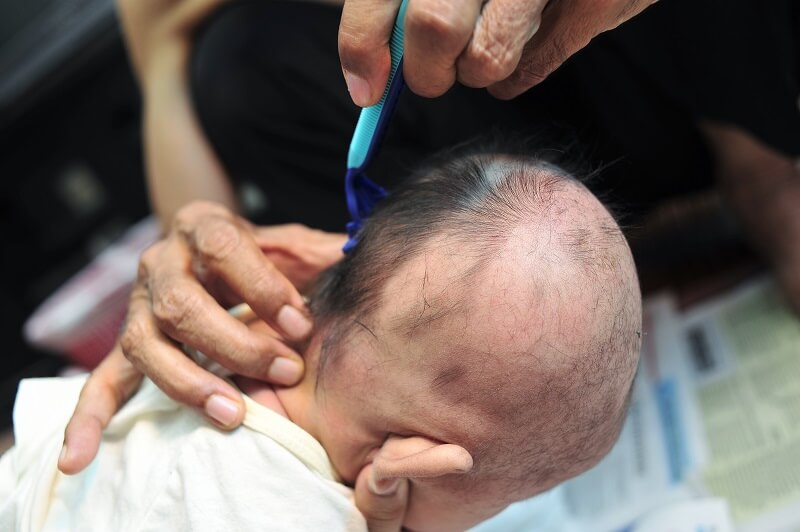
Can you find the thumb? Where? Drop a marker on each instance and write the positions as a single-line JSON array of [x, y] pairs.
[[382, 503], [364, 33], [105, 391]]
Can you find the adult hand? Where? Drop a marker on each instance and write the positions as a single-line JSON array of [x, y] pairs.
[[506, 45], [210, 260]]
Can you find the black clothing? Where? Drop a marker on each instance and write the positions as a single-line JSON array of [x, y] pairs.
[[268, 90]]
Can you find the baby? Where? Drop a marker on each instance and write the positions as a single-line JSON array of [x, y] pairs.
[[481, 341]]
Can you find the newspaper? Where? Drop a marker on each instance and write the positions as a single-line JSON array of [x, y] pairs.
[[646, 467], [744, 355]]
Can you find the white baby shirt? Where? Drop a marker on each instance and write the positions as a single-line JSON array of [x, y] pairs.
[[161, 466]]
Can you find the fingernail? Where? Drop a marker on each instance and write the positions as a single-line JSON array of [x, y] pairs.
[[358, 88], [285, 371], [384, 487], [222, 409], [293, 322]]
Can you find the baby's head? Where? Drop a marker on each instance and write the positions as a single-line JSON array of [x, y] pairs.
[[491, 304]]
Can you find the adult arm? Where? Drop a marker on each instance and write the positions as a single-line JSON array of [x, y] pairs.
[[180, 164], [762, 186], [506, 45]]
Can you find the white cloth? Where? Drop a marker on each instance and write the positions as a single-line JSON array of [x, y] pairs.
[[161, 466]]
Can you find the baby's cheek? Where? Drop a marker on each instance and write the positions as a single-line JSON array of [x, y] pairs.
[[349, 446]]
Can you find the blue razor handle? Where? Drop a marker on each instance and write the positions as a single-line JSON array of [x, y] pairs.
[[374, 119], [363, 194]]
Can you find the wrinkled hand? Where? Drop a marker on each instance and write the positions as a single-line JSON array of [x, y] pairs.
[[210, 260], [506, 45]]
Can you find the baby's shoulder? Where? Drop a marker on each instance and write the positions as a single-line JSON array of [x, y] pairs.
[[244, 480]]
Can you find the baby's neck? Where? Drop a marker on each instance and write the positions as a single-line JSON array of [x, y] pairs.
[[297, 403]]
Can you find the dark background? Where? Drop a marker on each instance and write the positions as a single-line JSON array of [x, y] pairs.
[[70, 160]]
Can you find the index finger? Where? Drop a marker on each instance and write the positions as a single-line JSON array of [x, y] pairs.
[[231, 253]]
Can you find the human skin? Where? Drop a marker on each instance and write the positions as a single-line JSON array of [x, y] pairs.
[[159, 37], [394, 396], [181, 168], [463, 362], [180, 164], [209, 252], [229, 252], [508, 46], [352, 458]]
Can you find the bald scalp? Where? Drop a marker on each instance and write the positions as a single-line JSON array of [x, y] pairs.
[[554, 376], [565, 398], [558, 397]]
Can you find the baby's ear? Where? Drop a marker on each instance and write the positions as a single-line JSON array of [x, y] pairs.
[[418, 457]]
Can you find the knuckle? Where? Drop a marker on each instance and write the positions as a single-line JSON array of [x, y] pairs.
[[173, 307], [442, 20], [188, 215], [148, 256], [354, 50], [430, 88], [268, 284], [216, 238], [252, 354], [136, 333], [426, 89], [185, 388], [495, 61], [143, 271], [247, 359], [148, 259]]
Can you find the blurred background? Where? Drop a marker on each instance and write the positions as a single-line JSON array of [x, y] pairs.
[[73, 184], [74, 217], [71, 167]]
